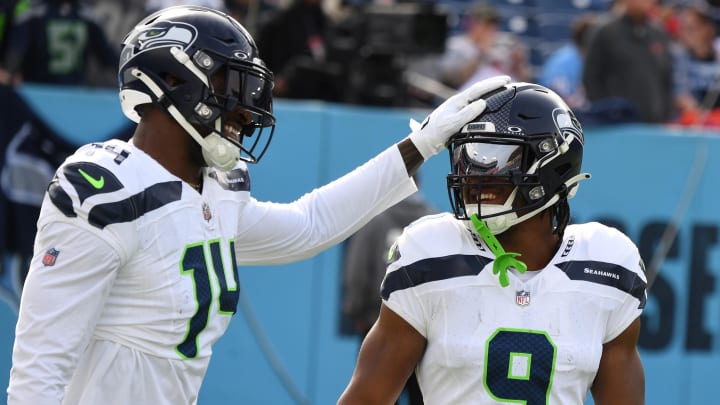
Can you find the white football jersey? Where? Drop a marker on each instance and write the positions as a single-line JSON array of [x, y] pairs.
[[537, 341], [134, 275]]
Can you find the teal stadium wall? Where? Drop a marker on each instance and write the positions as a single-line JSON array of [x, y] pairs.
[[284, 345]]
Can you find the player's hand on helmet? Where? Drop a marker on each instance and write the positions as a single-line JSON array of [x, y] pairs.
[[430, 136]]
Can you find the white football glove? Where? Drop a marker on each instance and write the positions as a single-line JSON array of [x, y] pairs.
[[432, 134]]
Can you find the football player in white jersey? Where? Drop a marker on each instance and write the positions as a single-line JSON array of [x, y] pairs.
[[134, 275], [504, 302]]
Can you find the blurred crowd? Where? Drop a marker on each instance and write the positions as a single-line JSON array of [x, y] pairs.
[[614, 61]]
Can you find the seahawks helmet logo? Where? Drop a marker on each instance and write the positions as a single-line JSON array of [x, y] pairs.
[[159, 35], [167, 33], [566, 122]]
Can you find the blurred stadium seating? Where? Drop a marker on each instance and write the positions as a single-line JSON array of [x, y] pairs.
[[542, 25]]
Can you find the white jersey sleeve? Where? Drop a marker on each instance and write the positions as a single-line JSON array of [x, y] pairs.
[[108, 288], [272, 233], [74, 265], [58, 310]]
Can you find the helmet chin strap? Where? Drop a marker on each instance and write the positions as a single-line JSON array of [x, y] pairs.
[[501, 223], [217, 151], [483, 227]]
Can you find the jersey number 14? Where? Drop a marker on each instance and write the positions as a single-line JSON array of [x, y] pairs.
[[197, 263]]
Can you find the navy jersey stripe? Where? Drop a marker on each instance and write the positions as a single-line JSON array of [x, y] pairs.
[[135, 206], [432, 269], [60, 198], [234, 180], [609, 274]]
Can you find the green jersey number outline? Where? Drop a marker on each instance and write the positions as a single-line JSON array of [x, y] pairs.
[[198, 261], [519, 366]]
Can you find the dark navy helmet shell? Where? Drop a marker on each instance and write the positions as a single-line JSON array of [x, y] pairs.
[[215, 70], [527, 138]]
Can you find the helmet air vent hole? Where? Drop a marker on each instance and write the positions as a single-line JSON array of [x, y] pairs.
[[226, 41]]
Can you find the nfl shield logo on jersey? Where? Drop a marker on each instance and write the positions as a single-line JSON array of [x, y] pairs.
[[50, 257], [522, 298], [206, 212]]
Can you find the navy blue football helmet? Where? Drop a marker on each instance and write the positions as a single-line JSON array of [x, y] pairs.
[[216, 76], [526, 138]]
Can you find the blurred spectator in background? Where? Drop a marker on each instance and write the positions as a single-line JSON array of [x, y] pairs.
[[294, 44], [250, 13], [482, 51], [53, 42], [697, 65], [364, 261], [562, 70], [479, 51], [469, 52], [9, 11], [117, 17], [628, 61], [364, 267]]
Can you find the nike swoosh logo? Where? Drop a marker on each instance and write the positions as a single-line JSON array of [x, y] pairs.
[[97, 183]]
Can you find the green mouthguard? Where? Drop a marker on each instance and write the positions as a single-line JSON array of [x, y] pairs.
[[503, 260]]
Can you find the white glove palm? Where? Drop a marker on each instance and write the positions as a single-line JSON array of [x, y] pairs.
[[446, 120]]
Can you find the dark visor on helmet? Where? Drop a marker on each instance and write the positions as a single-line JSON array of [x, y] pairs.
[[253, 91], [488, 159]]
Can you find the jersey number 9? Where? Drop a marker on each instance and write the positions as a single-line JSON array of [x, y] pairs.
[[519, 366]]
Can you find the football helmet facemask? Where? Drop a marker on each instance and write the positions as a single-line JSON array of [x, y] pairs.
[[527, 140], [220, 91]]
